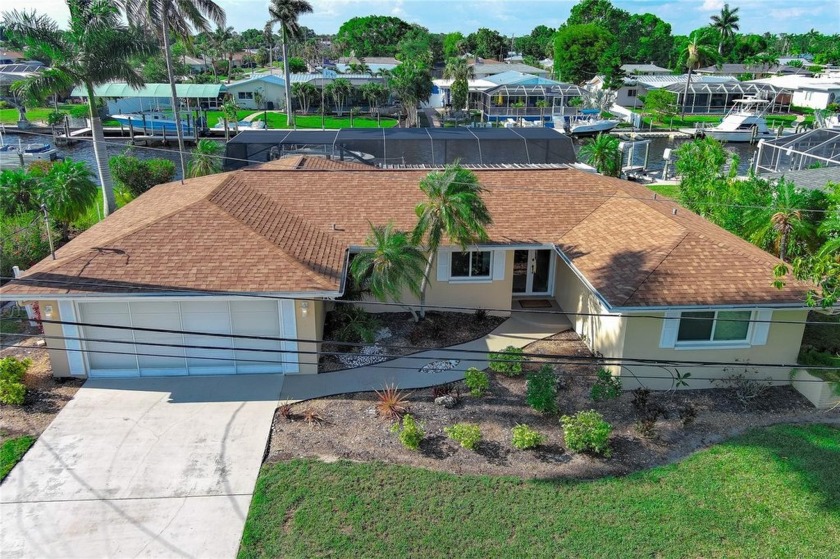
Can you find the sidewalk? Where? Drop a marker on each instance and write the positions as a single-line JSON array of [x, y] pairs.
[[519, 331]]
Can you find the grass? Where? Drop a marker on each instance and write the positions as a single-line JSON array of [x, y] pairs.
[[773, 492], [278, 121], [669, 190], [12, 451]]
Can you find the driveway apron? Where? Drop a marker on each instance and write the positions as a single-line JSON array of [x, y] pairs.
[[155, 467]]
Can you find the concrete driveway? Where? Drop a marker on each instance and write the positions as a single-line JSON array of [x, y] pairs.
[[160, 467]]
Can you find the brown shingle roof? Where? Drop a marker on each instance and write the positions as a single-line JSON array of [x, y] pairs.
[[285, 226]]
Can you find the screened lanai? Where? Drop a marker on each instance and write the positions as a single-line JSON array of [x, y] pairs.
[[707, 98], [815, 148], [520, 101]]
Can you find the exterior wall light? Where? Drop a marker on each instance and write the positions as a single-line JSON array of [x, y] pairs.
[[304, 309]]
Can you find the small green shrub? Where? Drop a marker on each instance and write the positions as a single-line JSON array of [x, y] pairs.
[[508, 361], [606, 386], [354, 324], [467, 435], [139, 175], [477, 381], [525, 437], [12, 389], [541, 390], [410, 432], [586, 431]]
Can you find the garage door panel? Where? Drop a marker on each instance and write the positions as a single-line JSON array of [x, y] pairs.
[[256, 318], [164, 360], [202, 357], [112, 358]]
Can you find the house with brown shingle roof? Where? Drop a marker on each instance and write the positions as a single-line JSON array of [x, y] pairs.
[[263, 251]]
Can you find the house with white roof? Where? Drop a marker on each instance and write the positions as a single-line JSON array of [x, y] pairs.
[[814, 93]]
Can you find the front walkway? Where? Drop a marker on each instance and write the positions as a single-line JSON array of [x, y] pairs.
[[519, 330], [151, 467]]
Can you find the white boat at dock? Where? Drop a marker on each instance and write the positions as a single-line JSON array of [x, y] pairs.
[[743, 123], [589, 122], [21, 154]]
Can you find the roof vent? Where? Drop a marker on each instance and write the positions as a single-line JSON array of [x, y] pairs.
[[674, 211], [335, 227]]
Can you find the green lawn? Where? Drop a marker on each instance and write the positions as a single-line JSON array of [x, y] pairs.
[[669, 190], [11, 452], [773, 492], [278, 120]]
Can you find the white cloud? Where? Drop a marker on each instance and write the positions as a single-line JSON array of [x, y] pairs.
[[712, 5], [784, 13]]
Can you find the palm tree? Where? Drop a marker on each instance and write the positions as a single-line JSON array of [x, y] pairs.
[[726, 24], [453, 209], [782, 220], [602, 153], [305, 93], [18, 192], [393, 265], [460, 72], [286, 13], [829, 228], [695, 55], [373, 93], [174, 17], [206, 159], [96, 48], [67, 192], [542, 105], [340, 90]]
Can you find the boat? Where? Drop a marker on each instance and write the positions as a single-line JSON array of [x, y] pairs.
[[151, 122], [743, 123], [589, 122], [22, 154], [241, 125]]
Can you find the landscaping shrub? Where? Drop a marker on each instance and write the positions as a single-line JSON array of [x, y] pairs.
[[410, 432], [354, 324], [508, 361], [467, 435], [586, 431], [647, 411], [688, 414], [541, 390], [23, 241], [525, 437], [139, 175], [746, 386], [479, 316], [443, 390], [477, 381], [606, 386], [12, 389], [392, 403]]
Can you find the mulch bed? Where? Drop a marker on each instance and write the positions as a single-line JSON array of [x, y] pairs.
[[438, 329], [45, 396], [351, 429]]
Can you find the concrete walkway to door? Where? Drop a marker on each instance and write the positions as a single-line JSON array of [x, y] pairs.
[[151, 467], [520, 330]]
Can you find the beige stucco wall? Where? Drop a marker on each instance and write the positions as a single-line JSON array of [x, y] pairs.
[[488, 294], [603, 333], [309, 327], [55, 347], [642, 337], [820, 393]]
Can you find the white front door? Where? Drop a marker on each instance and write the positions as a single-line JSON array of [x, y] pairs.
[[532, 269]]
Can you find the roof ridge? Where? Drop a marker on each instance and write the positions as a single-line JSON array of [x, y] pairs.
[[676, 245]]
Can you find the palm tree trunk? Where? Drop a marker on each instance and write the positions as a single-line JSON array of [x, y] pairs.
[[685, 92], [100, 153], [167, 50], [783, 245], [424, 283], [290, 117]]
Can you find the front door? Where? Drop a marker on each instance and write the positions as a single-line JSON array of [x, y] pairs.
[[532, 272]]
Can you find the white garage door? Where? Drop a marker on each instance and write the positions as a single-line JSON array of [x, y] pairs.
[[129, 352]]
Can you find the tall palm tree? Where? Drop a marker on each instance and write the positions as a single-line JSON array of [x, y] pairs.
[[286, 13], [453, 209], [460, 72], [602, 153], [695, 55], [340, 90], [782, 221], [206, 158], [374, 93], [96, 48], [726, 24], [305, 93], [829, 228], [392, 265], [174, 17]]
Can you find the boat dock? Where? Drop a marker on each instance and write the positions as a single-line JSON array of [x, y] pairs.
[[644, 134]]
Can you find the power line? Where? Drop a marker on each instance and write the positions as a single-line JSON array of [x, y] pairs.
[[405, 306], [626, 364], [484, 353], [654, 197]]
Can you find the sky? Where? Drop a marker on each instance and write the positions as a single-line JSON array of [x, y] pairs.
[[519, 17]]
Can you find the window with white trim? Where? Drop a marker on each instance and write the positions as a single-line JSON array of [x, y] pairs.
[[714, 326], [475, 264], [246, 94]]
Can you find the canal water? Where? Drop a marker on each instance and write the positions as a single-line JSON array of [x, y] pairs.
[[83, 150]]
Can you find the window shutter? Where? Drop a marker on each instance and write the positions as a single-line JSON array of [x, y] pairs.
[[761, 329], [670, 327], [443, 257], [499, 264]]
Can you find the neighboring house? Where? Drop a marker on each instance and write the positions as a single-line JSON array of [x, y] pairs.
[[196, 65], [270, 86], [10, 56], [123, 98], [262, 251], [814, 93], [376, 64], [644, 69], [755, 70], [483, 68]]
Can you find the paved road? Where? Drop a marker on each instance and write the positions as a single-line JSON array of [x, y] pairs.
[[143, 467]]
